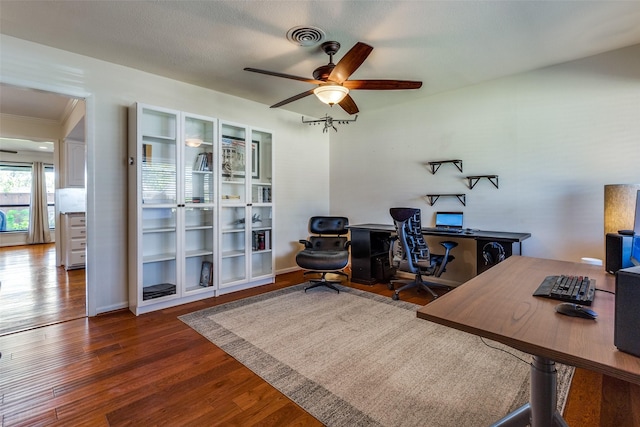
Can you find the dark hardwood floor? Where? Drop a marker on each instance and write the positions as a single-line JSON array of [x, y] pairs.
[[34, 292], [117, 369]]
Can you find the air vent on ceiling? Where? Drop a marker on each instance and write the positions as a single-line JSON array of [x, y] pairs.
[[305, 36]]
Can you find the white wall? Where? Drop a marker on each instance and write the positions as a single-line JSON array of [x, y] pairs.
[[555, 137], [300, 190]]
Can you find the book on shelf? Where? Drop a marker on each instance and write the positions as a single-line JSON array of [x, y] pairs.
[[146, 152], [261, 240], [204, 162], [262, 194]]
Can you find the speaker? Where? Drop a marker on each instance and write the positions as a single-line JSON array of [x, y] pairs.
[[618, 252], [627, 315]]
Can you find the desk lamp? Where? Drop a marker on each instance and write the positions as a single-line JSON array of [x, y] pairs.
[[619, 207]]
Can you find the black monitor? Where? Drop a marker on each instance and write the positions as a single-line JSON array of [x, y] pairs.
[[635, 244]]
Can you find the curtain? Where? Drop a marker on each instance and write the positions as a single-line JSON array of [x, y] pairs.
[[39, 216]]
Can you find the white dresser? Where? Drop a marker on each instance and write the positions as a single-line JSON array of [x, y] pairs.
[[74, 237]]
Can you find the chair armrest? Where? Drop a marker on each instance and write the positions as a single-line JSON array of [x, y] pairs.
[[347, 244], [306, 243]]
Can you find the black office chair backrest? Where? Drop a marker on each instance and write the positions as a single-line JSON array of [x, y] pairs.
[[329, 230], [408, 225]]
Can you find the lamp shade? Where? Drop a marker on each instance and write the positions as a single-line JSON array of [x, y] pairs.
[[331, 93], [619, 207]]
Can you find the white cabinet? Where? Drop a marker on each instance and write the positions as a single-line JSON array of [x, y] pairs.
[[74, 240], [246, 208], [73, 163], [173, 210], [200, 208]]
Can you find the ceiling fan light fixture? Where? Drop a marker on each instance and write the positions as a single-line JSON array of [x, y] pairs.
[[331, 93]]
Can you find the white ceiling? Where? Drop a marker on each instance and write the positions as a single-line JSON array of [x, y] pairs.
[[445, 44]]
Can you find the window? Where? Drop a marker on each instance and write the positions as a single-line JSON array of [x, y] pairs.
[[15, 196]]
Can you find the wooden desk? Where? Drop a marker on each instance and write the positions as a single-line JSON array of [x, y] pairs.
[[499, 305], [371, 241]]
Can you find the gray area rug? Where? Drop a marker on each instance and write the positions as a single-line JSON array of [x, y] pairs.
[[360, 359]]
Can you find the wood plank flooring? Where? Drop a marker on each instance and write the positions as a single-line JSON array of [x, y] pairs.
[[34, 292], [121, 370]]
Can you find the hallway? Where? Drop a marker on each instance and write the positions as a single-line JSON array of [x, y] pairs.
[[34, 292]]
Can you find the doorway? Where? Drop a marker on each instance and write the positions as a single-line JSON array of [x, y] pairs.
[[29, 118]]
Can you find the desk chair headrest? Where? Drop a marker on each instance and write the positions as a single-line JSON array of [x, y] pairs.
[[402, 214]]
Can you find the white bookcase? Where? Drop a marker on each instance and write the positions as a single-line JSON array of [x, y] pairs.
[[192, 187], [172, 203], [246, 207]]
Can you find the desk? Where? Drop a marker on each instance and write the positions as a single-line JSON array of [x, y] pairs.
[[499, 305], [369, 242]]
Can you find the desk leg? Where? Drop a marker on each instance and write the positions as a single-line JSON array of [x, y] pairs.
[[541, 410]]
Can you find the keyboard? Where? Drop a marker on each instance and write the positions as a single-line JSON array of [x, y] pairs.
[[443, 229], [576, 289]]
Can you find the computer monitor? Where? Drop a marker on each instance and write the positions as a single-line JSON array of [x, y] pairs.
[[449, 219], [635, 244]]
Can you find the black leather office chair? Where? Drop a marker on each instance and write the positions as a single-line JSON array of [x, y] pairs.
[[327, 251], [411, 253]]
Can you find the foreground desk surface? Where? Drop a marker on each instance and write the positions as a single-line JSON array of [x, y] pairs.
[[498, 305]]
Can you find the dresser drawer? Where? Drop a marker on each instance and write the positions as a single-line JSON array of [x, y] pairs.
[[78, 244], [76, 258], [77, 232], [77, 220]]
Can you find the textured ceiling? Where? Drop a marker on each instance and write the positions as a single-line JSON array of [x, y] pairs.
[[445, 44]]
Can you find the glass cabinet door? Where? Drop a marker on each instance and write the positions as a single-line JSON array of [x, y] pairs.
[[233, 164], [159, 247], [198, 166], [261, 204], [233, 235], [198, 248], [158, 157]]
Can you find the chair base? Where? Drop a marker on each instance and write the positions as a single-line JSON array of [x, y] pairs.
[[421, 284], [323, 280]]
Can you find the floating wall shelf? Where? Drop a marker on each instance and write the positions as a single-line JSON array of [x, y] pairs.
[[434, 166], [433, 198], [473, 180]]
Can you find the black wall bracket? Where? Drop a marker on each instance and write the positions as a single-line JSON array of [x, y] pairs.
[[473, 180], [433, 198], [434, 166]]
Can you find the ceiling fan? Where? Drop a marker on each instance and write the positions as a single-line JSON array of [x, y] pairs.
[[333, 79]]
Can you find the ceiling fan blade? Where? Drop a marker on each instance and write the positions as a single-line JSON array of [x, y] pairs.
[[286, 76], [349, 105], [350, 62], [381, 84], [293, 98]]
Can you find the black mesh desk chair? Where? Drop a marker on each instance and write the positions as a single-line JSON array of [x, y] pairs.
[[411, 253], [327, 251]]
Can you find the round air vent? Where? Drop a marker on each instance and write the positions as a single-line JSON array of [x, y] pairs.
[[305, 36]]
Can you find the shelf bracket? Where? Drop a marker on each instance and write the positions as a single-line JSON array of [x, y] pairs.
[[434, 166], [433, 198], [473, 180]]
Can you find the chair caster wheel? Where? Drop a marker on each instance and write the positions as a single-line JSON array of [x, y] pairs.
[[395, 297], [390, 286]]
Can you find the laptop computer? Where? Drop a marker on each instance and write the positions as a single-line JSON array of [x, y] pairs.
[[448, 221]]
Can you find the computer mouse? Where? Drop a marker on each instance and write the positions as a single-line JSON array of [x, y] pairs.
[[468, 231], [576, 310]]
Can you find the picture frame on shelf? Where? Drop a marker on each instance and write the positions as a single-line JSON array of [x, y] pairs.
[[234, 158], [206, 274]]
